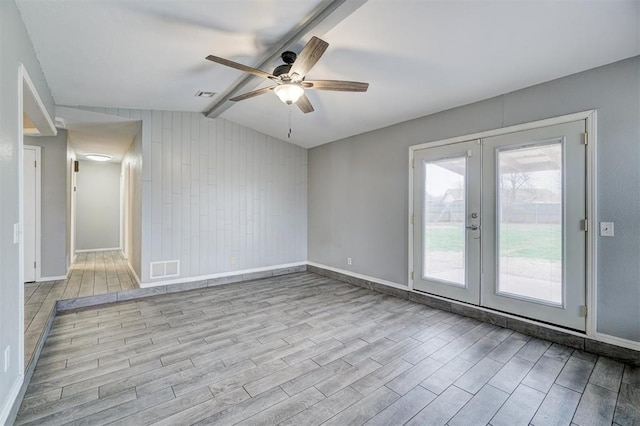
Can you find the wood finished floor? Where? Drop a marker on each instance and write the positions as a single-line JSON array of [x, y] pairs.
[[92, 274], [304, 349]]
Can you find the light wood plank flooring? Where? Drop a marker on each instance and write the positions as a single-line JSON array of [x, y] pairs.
[[92, 274], [303, 349]]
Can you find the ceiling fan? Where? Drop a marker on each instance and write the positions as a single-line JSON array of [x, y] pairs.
[[289, 77]]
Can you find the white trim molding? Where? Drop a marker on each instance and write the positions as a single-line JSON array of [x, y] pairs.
[[220, 275], [10, 401], [360, 276], [617, 341], [54, 278], [592, 220], [600, 337], [99, 249], [33, 106]]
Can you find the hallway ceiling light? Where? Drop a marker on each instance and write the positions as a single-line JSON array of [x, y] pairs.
[[98, 157]]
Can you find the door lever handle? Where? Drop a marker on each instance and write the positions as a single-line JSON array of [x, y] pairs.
[[472, 227]]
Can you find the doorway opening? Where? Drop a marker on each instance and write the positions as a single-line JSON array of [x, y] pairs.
[[33, 120]]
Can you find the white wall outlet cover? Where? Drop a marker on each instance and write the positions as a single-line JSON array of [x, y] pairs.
[[349, 261], [606, 229]]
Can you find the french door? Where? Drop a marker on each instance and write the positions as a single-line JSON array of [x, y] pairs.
[[447, 183], [499, 223]]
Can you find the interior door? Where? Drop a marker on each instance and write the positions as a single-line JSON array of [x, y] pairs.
[[534, 241], [447, 221], [29, 214]]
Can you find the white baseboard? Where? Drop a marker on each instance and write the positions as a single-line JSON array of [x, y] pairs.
[[361, 276], [219, 275], [11, 399], [617, 341], [99, 249], [600, 337], [55, 278]]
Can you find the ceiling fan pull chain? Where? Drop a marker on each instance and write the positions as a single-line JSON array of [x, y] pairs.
[[289, 135]]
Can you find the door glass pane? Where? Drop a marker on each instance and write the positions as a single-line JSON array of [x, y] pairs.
[[444, 221], [530, 182]]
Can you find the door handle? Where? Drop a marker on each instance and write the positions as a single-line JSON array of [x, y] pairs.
[[472, 227]]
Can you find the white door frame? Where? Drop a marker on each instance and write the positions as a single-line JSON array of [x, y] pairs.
[[29, 102], [72, 211], [591, 287], [126, 208], [38, 201]]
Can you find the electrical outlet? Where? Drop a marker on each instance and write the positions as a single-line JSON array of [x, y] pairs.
[[349, 261], [232, 261], [7, 353], [606, 229]]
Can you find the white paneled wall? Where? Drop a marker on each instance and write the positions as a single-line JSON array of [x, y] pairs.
[[218, 196]]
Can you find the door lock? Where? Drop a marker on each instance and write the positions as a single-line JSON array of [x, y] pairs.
[[474, 215]]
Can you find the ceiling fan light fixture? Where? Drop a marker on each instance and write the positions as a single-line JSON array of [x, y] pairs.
[[289, 93]]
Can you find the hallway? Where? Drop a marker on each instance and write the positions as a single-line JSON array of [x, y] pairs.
[[93, 273]]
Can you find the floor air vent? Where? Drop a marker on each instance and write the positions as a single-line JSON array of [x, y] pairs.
[[165, 269]]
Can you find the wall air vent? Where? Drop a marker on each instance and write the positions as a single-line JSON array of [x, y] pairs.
[[165, 269], [60, 123]]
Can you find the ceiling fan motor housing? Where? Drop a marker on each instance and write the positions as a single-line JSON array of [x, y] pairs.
[[282, 69], [288, 58]]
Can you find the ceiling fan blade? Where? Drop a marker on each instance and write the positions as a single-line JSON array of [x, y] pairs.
[[310, 54], [304, 104], [252, 94], [336, 85], [254, 71]]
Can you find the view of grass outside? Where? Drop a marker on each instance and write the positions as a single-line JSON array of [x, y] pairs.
[[536, 241], [530, 257], [529, 232]]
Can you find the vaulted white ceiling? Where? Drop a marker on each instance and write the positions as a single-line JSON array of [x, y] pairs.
[[419, 57]]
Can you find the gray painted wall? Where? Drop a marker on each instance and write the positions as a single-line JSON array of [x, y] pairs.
[[15, 49], [358, 190], [98, 205], [213, 190], [53, 202]]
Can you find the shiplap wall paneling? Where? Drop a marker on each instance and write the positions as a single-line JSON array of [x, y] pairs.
[[213, 190]]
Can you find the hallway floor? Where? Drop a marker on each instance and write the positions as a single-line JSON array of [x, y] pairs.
[[93, 273]]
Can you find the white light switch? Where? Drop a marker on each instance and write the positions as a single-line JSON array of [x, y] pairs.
[[606, 229]]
